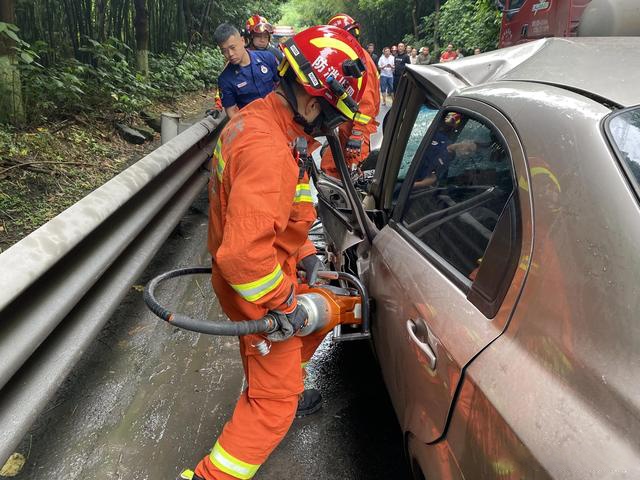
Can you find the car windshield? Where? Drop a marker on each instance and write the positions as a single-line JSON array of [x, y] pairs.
[[624, 131], [513, 4]]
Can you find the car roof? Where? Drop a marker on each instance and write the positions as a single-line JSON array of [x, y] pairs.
[[604, 67]]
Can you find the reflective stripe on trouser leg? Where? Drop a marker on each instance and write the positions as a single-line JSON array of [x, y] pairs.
[[265, 410], [231, 465]]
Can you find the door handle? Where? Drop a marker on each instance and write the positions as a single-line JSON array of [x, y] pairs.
[[424, 347]]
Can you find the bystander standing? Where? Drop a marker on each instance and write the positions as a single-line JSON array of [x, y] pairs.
[[448, 55], [413, 56], [401, 61], [386, 65], [371, 48], [424, 57]]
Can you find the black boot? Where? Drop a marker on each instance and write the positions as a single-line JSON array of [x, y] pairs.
[[310, 401]]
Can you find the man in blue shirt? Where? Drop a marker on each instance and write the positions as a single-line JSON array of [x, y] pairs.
[[248, 74]]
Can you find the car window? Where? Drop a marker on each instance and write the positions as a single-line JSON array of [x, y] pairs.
[[462, 181], [624, 131], [421, 124]]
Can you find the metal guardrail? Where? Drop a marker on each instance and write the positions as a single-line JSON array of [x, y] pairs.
[[60, 284]]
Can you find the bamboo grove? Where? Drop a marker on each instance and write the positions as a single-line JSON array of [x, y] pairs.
[[55, 52]]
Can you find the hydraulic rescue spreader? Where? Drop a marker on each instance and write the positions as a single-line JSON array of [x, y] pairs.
[[328, 307]]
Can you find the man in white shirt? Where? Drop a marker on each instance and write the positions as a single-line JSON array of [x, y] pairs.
[[386, 64]]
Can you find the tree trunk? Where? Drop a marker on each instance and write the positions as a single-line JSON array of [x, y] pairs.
[[142, 36], [180, 21], [205, 17], [51, 53], [414, 19], [11, 107], [188, 18], [88, 10], [100, 8], [436, 27]]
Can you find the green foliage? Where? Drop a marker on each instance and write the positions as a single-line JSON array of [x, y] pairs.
[[198, 69], [469, 24], [384, 22], [110, 81], [22, 49], [303, 13]]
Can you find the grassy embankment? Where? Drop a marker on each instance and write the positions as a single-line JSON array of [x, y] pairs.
[[67, 144], [46, 169]]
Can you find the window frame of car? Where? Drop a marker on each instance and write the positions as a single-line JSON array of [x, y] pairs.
[[605, 126], [412, 95], [479, 292]]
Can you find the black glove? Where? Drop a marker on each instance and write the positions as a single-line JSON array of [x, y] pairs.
[[288, 323], [212, 112], [310, 264], [353, 148]]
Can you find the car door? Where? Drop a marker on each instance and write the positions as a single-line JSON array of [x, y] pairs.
[[440, 269], [444, 251]]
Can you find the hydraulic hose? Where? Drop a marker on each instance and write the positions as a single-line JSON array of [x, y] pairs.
[[266, 324]]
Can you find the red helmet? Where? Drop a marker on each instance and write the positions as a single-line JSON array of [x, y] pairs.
[[346, 22], [326, 61], [258, 24]]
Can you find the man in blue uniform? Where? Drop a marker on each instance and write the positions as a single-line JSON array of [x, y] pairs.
[[248, 75]]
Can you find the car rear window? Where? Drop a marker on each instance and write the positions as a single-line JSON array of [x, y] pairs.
[[624, 132]]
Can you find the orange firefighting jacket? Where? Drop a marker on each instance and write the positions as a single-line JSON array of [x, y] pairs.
[[369, 105], [260, 210]]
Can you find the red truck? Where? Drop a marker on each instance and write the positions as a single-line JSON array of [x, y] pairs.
[[526, 20]]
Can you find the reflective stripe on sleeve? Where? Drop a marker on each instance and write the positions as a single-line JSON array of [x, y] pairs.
[[220, 163], [230, 464], [253, 291], [303, 193]]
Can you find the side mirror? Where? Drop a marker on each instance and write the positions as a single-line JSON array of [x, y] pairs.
[[500, 5]]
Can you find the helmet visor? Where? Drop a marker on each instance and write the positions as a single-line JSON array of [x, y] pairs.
[[262, 28]]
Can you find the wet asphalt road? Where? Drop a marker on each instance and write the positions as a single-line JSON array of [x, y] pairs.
[[148, 399]]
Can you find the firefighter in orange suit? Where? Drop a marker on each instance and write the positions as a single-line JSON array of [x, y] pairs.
[[260, 213], [354, 138]]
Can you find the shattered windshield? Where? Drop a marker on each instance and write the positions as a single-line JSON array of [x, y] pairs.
[[624, 132]]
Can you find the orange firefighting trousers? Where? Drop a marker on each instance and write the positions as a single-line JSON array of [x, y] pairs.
[[260, 213]]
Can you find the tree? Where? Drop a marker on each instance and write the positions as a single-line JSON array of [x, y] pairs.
[[470, 24], [142, 36], [11, 108]]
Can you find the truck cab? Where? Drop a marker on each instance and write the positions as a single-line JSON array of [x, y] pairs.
[[526, 20]]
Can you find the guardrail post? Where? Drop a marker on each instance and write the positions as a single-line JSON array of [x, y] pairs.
[[169, 126]]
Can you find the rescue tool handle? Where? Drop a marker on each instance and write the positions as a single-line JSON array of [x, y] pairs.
[[267, 324]]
